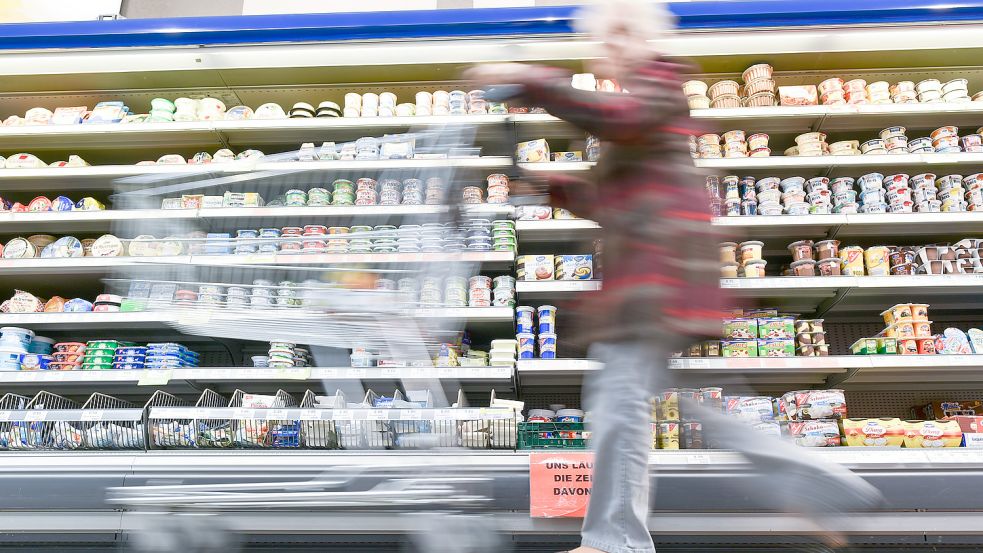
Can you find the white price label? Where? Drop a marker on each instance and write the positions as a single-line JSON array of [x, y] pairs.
[[276, 414], [244, 414], [390, 373], [420, 372], [154, 377], [377, 415], [92, 415], [675, 363], [699, 459], [444, 415], [329, 373], [974, 441], [36, 415], [4, 415], [730, 283], [310, 414], [410, 414], [445, 372], [356, 373], [343, 415], [699, 363], [301, 373], [201, 413], [469, 414]]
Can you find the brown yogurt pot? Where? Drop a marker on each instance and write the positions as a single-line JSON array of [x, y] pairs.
[[903, 269], [804, 267], [801, 250], [729, 270], [827, 248], [829, 266], [728, 252]]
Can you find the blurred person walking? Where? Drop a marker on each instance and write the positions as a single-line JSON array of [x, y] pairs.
[[661, 272]]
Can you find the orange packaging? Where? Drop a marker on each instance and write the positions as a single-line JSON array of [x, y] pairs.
[[852, 261], [968, 424], [874, 432], [932, 434]]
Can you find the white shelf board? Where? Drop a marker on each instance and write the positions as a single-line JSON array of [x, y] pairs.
[[554, 289], [99, 265], [104, 177], [94, 221], [556, 230], [252, 374], [939, 284], [856, 225], [928, 161], [161, 319]]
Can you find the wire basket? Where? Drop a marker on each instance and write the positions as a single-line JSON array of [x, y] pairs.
[[169, 434], [265, 432], [111, 423], [552, 435]]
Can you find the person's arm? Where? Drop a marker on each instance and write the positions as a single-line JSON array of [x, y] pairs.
[[577, 195], [656, 96]]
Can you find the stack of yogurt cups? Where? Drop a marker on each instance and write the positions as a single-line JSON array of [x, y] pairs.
[[951, 192], [819, 196], [810, 144], [899, 195], [533, 337], [794, 196], [844, 195], [479, 291], [735, 144], [708, 146], [945, 140], [161, 110], [904, 93], [872, 194], [14, 344], [281, 355], [925, 193], [498, 189], [974, 192], [503, 291]]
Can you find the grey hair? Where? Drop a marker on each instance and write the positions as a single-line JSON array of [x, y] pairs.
[[644, 20]]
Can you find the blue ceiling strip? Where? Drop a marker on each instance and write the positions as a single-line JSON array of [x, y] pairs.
[[264, 29]]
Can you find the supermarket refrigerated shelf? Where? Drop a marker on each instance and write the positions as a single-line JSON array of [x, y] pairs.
[[124, 177], [501, 318], [842, 118], [695, 497], [557, 230], [259, 376], [227, 217], [554, 289], [855, 225], [254, 132], [101, 265]]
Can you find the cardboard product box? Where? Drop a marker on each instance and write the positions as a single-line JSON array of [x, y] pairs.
[[972, 427], [938, 410]]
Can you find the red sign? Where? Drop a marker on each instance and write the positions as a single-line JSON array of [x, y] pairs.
[[560, 484]]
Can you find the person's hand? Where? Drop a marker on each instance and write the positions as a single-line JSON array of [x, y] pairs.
[[496, 73]]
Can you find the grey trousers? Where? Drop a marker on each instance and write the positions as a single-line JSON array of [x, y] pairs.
[[618, 398]]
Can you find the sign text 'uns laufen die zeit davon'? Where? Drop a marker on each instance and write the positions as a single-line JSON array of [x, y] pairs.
[[559, 484]]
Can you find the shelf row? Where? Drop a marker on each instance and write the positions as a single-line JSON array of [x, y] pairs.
[[125, 177], [553, 230], [219, 134], [845, 370]]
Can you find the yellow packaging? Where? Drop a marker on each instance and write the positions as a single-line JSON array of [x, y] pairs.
[[852, 261], [877, 260], [874, 432], [669, 435], [670, 405], [932, 434], [533, 151]]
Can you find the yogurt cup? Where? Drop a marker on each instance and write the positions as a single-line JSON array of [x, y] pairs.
[[828, 267], [801, 250], [755, 268], [547, 345], [728, 270], [804, 267], [524, 319], [750, 250], [527, 345], [728, 252], [770, 208], [799, 208], [547, 318], [792, 184]]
